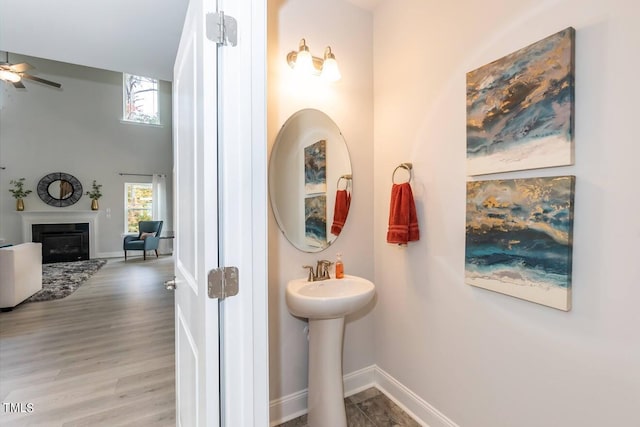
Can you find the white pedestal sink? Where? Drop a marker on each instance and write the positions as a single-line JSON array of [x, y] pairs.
[[325, 303]]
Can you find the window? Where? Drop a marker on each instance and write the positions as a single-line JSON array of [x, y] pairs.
[[138, 201], [140, 95]]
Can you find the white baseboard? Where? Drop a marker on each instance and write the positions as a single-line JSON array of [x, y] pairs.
[[119, 254], [287, 408], [294, 405], [419, 409], [360, 380]]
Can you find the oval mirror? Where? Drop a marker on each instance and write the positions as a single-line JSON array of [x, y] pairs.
[[310, 180], [59, 189]]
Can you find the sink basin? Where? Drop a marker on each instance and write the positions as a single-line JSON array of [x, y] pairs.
[[328, 299]]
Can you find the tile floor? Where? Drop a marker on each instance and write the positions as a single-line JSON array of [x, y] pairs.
[[369, 408]]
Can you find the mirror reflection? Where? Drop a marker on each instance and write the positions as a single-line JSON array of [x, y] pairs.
[[310, 180], [60, 189]]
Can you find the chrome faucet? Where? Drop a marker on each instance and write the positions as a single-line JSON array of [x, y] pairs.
[[322, 271]]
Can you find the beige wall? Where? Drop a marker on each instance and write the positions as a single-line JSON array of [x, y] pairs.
[[481, 358], [349, 102], [78, 130]]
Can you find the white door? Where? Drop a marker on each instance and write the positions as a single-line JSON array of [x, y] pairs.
[[219, 117], [196, 222], [243, 215]]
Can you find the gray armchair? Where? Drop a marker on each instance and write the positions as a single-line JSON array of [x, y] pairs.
[[147, 239]]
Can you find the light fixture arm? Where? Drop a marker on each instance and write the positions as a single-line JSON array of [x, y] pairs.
[[328, 54]]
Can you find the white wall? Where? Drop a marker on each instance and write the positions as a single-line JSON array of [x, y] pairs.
[[482, 358], [349, 102], [77, 130]]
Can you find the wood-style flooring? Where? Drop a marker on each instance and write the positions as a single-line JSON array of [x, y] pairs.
[[103, 356]]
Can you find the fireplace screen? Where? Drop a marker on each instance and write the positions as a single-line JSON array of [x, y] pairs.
[[62, 242]]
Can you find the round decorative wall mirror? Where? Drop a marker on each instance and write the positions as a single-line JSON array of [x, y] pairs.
[[59, 189], [310, 180]]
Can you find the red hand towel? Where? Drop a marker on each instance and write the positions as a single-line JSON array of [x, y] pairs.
[[403, 221], [340, 211]]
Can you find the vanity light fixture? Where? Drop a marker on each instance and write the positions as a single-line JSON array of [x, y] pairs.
[[302, 61]]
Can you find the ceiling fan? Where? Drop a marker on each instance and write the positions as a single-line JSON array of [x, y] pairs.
[[15, 73]]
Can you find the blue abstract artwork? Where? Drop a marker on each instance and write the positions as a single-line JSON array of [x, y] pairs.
[[315, 220], [519, 238], [315, 167], [520, 108]]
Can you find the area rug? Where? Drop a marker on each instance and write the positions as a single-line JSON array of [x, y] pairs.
[[61, 279]]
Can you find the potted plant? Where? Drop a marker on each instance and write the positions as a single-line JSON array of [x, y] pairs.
[[19, 192], [94, 195]]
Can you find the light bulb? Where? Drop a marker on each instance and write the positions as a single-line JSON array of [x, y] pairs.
[[9, 76], [304, 62], [330, 71]]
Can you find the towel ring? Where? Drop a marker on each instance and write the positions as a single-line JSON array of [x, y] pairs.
[[347, 181], [406, 166]]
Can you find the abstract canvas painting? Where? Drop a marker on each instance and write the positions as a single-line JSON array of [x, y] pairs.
[[315, 220], [519, 238], [315, 168], [520, 108]]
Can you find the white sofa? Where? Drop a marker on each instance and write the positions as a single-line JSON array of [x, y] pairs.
[[20, 273]]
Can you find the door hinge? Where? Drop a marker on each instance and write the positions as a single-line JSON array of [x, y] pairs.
[[222, 29], [223, 282]]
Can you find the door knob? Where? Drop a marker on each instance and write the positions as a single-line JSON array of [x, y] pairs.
[[170, 284]]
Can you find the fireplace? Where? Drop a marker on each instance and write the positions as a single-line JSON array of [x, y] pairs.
[[62, 216], [62, 242]]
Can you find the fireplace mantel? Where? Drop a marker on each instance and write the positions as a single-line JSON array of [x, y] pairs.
[[61, 217]]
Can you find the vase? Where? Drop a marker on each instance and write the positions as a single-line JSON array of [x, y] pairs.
[[19, 205], [94, 204]]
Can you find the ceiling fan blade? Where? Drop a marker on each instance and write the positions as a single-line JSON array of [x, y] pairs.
[[38, 79], [19, 68], [17, 85]]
